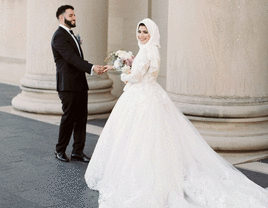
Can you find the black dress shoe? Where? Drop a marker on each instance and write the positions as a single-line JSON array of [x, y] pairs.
[[61, 156], [80, 157]]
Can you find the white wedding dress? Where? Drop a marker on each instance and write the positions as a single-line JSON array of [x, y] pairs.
[[149, 155]]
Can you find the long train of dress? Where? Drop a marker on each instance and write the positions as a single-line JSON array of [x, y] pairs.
[[149, 155]]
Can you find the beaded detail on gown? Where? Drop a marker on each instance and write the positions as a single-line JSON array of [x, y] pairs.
[[149, 155]]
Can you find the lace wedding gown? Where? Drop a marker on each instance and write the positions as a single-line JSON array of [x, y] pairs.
[[149, 155]]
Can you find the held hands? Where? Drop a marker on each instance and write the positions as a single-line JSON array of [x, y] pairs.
[[98, 69], [107, 67], [102, 69]]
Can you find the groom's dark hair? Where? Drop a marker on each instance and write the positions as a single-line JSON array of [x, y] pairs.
[[62, 9]]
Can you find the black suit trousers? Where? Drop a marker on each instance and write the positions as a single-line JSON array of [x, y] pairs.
[[73, 120]]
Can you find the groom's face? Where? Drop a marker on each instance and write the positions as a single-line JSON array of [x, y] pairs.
[[69, 18]]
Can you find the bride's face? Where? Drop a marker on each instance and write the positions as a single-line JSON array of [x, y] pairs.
[[143, 34]]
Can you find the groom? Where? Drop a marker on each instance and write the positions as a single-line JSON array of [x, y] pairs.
[[71, 85]]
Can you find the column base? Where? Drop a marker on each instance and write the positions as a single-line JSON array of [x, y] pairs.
[[221, 107], [47, 101], [118, 85], [233, 134]]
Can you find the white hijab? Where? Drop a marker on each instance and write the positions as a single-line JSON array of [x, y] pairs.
[[153, 45]]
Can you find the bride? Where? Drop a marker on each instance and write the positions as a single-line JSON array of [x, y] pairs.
[[149, 155]]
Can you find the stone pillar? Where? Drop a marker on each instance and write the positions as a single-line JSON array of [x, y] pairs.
[[39, 83], [217, 69], [12, 41], [160, 17]]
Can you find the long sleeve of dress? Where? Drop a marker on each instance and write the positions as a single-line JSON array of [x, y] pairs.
[[136, 75], [146, 61]]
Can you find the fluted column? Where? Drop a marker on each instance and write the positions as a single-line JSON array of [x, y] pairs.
[[39, 83], [217, 69]]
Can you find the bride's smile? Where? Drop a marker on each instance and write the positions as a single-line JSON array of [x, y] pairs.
[[143, 35]]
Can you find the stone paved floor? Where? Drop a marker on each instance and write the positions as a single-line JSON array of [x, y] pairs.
[[30, 176]]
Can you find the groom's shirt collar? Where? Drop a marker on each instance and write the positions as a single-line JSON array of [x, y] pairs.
[[66, 28]]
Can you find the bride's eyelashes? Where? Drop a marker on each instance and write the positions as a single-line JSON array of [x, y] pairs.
[[145, 32]]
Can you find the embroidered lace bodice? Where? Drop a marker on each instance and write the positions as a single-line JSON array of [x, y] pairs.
[[141, 70]]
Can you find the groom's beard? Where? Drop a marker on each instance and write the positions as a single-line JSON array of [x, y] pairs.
[[69, 23]]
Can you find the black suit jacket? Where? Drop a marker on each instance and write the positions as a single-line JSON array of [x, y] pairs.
[[70, 66]]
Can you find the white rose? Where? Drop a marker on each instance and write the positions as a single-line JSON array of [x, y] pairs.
[[123, 55], [118, 53], [129, 55], [117, 64]]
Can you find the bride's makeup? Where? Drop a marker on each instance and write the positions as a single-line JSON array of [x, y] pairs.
[[143, 35]]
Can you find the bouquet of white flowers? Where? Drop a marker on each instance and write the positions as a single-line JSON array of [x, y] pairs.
[[121, 60]]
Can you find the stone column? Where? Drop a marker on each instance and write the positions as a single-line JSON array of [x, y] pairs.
[[217, 69], [39, 83], [160, 17], [12, 41]]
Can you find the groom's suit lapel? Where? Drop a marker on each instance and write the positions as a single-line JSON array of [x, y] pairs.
[[79, 46], [72, 41]]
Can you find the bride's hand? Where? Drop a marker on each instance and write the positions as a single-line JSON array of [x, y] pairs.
[[108, 67]]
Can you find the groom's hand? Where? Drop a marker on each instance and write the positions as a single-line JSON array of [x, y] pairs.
[[98, 69]]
